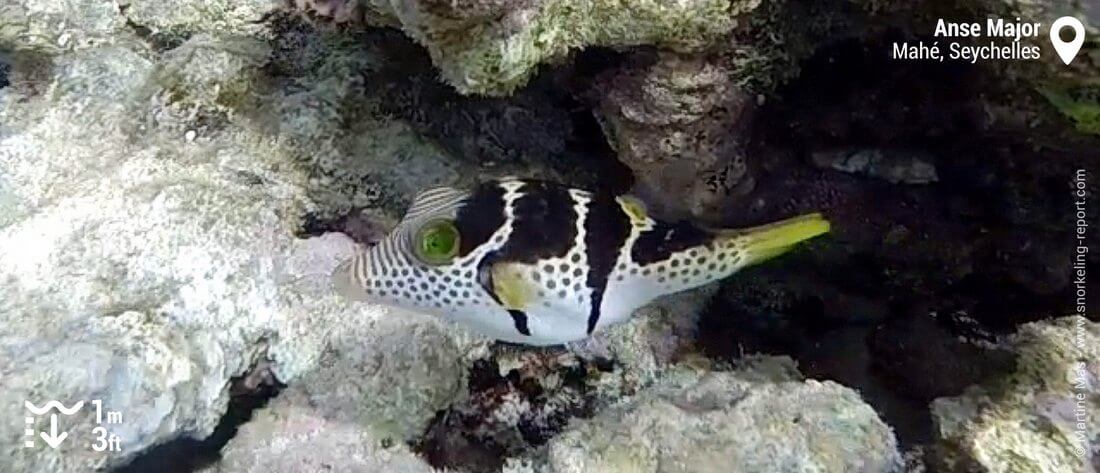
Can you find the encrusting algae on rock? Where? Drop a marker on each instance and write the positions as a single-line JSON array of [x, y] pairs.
[[1041, 418], [760, 417], [493, 47]]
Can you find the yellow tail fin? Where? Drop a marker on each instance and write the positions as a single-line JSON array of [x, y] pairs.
[[767, 241]]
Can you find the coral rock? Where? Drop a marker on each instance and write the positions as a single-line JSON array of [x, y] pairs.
[[148, 251], [675, 123], [492, 47], [290, 437], [1040, 418], [759, 418]]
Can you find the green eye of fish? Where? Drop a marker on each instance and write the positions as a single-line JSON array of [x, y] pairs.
[[437, 242]]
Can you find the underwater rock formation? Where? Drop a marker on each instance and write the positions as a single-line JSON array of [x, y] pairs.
[[717, 55], [392, 374], [676, 124], [168, 23], [675, 120], [494, 47], [47, 26], [1042, 417], [151, 201], [290, 437], [893, 166], [761, 417]]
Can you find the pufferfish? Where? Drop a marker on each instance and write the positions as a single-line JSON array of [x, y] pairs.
[[537, 263]]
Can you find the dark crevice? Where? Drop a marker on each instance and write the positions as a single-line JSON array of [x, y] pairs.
[[588, 140], [159, 41], [888, 303], [27, 72], [543, 130], [357, 225], [313, 225], [248, 392], [541, 126], [5, 70], [471, 436]]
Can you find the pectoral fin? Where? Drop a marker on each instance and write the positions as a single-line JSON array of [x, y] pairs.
[[508, 284], [511, 286]]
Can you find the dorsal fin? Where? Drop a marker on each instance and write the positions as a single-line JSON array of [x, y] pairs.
[[634, 208], [436, 200]]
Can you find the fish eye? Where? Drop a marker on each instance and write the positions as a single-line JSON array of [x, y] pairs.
[[437, 242]]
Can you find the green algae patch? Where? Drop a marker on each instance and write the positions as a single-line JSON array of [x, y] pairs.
[[1083, 107]]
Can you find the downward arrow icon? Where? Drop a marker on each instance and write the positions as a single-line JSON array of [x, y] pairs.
[[53, 439]]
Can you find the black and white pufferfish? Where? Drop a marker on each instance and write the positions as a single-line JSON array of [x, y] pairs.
[[538, 263]]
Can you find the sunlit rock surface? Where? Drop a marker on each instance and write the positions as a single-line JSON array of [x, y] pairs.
[[152, 201], [1040, 418], [492, 47], [290, 437], [762, 417]]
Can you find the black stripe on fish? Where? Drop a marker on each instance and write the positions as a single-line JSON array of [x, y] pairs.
[[658, 243], [480, 215], [606, 228], [520, 319], [543, 225]]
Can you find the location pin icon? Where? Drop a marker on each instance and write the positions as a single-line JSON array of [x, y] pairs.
[[1067, 49]]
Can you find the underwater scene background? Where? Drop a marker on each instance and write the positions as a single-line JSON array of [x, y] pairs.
[[179, 180]]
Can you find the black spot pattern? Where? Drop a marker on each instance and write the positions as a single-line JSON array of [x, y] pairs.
[[606, 229], [658, 243]]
